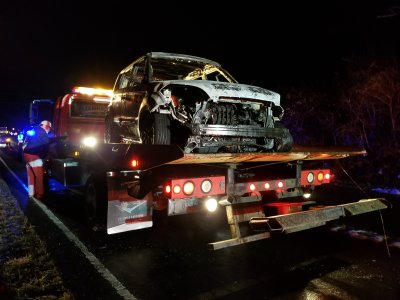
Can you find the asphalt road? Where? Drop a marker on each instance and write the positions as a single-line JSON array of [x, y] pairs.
[[349, 259]]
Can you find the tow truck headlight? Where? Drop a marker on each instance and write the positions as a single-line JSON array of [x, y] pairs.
[[89, 141], [211, 204]]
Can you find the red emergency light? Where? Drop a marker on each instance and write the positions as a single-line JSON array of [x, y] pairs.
[[269, 185]]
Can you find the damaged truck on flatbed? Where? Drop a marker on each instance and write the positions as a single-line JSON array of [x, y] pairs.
[[183, 136]]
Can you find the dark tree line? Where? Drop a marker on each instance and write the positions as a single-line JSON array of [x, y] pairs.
[[360, 107]]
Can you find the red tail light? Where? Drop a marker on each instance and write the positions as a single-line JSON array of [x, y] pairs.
[[134, 163], [188, 188], [176, 189], [195, 187], [167, 189]]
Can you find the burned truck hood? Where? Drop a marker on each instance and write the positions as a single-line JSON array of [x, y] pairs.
[[217, 90]]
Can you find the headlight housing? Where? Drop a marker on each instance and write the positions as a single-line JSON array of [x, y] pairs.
[[89, 141]]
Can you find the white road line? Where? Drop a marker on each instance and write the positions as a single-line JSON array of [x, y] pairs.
[[107, 275]]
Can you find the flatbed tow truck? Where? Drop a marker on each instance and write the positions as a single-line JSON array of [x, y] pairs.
[[262, 193]]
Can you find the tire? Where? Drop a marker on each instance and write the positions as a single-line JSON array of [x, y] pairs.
[[285, 142], [95, 203], [111, 134], [154, 128]]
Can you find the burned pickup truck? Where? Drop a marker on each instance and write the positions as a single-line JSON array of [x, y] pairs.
[[166, 98]]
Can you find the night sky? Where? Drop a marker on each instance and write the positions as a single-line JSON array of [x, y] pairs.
[[47, 47]]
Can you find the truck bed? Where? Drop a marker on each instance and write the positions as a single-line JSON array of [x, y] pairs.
[[298, 153], [118, 156]]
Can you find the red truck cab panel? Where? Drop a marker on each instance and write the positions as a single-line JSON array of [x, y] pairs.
[[80, 114]]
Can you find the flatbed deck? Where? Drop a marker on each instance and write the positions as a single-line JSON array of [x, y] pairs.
[[118, 156], [298, 153]]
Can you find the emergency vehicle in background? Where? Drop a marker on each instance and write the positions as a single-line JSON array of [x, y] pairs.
[[5, 138], [123, 185]]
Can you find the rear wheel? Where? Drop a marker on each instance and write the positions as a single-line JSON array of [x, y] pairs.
[[155, 128], [96, 203]]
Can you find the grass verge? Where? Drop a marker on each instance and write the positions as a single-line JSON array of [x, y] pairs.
[[26, 269]]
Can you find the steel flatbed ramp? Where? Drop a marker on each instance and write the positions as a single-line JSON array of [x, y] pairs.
[[299, 221]]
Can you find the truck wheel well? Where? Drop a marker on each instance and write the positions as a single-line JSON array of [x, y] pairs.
[[96, 201]]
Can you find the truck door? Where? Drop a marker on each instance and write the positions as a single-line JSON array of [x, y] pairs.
[[128, 95]]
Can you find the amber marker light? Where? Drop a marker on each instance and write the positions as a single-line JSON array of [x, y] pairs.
[[92, 91], [320, 176]]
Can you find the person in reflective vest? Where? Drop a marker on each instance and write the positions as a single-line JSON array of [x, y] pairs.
[[36, 150]]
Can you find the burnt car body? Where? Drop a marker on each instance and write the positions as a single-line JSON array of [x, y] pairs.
[[167, 98]]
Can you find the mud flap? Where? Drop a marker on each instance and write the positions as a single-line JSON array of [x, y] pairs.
[[126, 213]]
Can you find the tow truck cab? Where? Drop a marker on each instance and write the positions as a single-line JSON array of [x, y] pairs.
[[79, 115]]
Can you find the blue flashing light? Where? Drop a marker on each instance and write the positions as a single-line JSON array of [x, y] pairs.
[[20, 137], [30, 132]]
